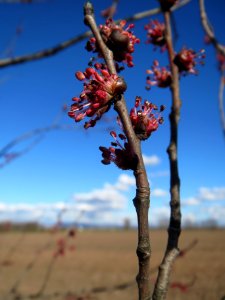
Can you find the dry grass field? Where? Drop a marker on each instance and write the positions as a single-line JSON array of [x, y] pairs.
[[103, 265]]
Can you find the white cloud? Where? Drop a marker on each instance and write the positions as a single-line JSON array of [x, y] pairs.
[[212, 194], [159, 193], [152, 160], [95, 206], [191, 201], [159, 174], [206, 194], [158, 214], [124, 182]]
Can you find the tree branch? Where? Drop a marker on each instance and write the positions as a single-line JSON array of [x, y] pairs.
[[174, 229], [221, 104], [208, 28], [142, 198], [68, 43]]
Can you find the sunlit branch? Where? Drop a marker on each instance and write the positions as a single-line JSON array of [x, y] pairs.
[[80, 37]]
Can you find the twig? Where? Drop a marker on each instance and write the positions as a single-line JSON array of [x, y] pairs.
[[38, 132], [110, 11], [80, 37], [142, 199], [220, 49], [174, 229], [221, 104], [208, 29]]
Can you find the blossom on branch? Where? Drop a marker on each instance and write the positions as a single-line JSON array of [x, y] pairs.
[[143, 119], [156, 34], [119, 40], [122, 156], [158, 76], [97, 96], [187, 59]]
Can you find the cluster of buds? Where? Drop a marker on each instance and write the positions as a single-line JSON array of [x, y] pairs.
[[121, 155], [119, 40], [97, 96], [158, 76], [156, 34], [167, 4], [187, 59], [143, 119]]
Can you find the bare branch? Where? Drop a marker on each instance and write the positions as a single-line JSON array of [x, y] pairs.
[[68, 43], [208, 29], [110, 11], [8, 156], [174, 229], [221, 104]]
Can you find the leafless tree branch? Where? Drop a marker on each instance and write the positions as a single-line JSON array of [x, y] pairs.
[[80, 37], [221, 102], [208, 29], [174, 229]]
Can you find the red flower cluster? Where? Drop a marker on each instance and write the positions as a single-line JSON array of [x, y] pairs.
[[187, 59], [156, 34], [119, 40], [122, 156], [143, 120], [97, 95], [159, 76]]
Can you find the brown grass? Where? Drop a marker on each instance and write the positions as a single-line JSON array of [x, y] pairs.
[[104, 265]]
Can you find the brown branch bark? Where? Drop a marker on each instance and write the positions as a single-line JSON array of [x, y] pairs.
[[208, 29], [68, 43], [142, 199], [174, 229]]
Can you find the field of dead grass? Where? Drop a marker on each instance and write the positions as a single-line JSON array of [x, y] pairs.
[[102, 264]]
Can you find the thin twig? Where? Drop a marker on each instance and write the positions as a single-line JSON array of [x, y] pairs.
[[38, 132], [174, 229], [80, 37], [220, 49], [221, 104], [208, 28]]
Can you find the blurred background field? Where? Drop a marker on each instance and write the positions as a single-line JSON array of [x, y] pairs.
[[100, 264]]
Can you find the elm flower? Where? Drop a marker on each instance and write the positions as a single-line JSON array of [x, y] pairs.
[[122, 156], [97, 96], [187, 59], [143, 119], [156, 34], [119, 40], [158, 76]]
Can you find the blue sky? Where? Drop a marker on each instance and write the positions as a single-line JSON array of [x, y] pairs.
[[64, 169]]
